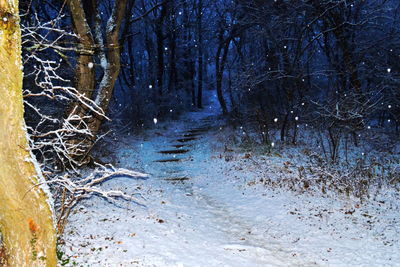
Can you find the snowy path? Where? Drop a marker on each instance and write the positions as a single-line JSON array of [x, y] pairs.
[[201, 213], [214, 224]]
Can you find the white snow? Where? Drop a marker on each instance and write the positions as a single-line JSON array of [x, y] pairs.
[[220, 214]]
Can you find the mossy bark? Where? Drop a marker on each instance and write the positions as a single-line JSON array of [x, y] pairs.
[[26, 222]]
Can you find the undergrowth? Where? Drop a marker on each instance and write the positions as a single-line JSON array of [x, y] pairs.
[[305, 167]]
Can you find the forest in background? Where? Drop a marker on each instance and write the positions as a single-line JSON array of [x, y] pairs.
[[278, 67], [331, 64]]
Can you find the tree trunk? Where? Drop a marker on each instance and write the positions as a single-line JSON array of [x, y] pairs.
[[160, 47], [84, 74], [187, 55], [220, 94], [283, 127], [220, 67], [173, 76], [26, 221], [109, 54], [151, 55], [85, 71], [200, 55], [348, 60], [112, 62], [172, 72]]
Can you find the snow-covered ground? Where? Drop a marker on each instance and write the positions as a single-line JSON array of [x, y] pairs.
[[204, 206]]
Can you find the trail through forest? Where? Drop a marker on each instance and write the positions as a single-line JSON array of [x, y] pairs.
[[182, 161], [198, 211], [200, 133]]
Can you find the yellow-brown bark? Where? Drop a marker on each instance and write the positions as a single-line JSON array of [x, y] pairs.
[[26, 222]]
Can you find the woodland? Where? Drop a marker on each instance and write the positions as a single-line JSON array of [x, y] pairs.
[[314, 79]]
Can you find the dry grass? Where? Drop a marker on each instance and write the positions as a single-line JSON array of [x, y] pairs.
[[303, 168]]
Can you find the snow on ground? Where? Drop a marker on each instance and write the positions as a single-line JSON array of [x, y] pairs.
[[202, 208]]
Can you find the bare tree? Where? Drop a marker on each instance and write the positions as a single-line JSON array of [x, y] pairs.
[[108, 47], [51, 134]]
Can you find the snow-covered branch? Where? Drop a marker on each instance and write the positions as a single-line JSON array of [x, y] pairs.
[[59, 132]]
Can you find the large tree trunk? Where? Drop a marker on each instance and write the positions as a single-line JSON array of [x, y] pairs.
[[26, 220]]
